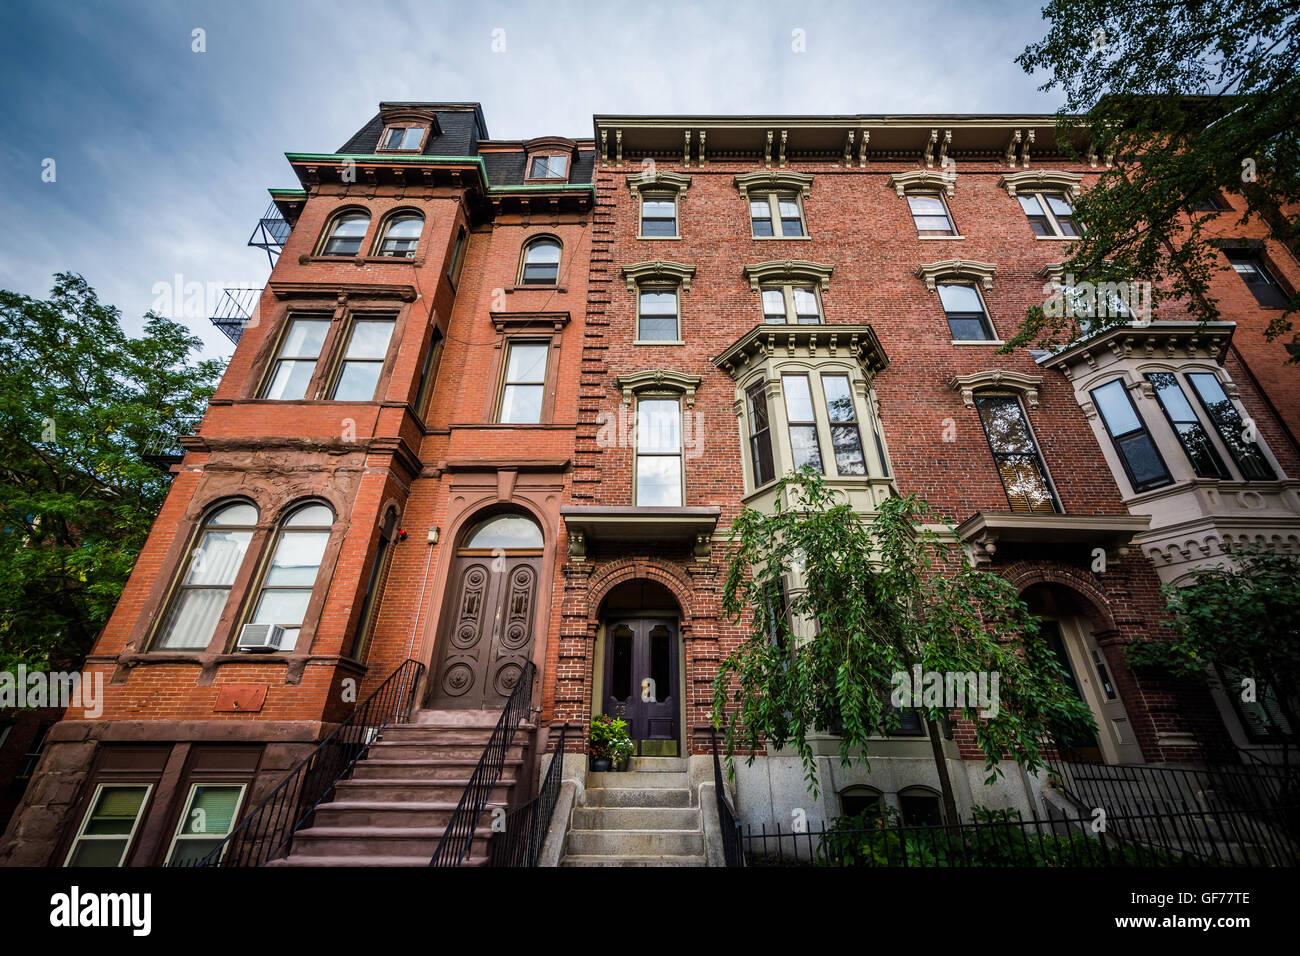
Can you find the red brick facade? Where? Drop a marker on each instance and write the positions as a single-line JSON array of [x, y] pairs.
[[447, 464]]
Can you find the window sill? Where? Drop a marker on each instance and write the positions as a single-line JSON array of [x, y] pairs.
[[551, 181], [938, 238], [1058, 238], [978, 342], [536, 288], [658, 342], [781, 238], [660, 238]]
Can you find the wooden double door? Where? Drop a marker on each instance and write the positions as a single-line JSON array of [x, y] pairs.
[[641, 682], [487, 633]]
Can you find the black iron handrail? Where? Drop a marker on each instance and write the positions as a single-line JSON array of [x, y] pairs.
[[266, 832], [731, 848], [458, 838], [519, 843]]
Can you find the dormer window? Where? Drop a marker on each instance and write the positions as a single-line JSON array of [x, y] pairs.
[[541, 166], [407, 138]]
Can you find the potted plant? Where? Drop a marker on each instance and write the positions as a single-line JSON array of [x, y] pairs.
[[624, 748], [608, 741]]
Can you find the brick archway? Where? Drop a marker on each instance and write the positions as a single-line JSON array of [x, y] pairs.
[[630, 569]]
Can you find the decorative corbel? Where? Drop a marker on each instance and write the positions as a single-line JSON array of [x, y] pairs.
[[702, 159], [767, 152], [686, 147], [943, 148], [618, 147], [848, 149], [781, 159], [862, 148], [1012, 146], [927, 152], [1024, 149]]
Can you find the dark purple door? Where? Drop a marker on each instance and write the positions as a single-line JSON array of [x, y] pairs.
[[641, 682]]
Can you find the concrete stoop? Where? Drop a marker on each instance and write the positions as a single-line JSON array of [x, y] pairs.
[[394, 808], [647, 815]]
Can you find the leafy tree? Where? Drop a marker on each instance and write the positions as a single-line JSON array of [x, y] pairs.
[[1189, 98], [1244, 618], [81, 406], [884, 594]]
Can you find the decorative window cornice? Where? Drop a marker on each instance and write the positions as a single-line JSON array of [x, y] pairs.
[[774, 180], [926, 179], [957, 269], [1035, 180], [655, 180], [1026, 385], [658, 379], [1159, 341], [787, 270], [658, 270], [803, 341], [516, 322]]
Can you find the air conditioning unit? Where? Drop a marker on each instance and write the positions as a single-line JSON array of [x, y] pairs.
[[411, 254], [260, 637]]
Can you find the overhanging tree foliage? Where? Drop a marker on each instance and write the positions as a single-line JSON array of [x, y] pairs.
[[1244, 621], [81, 405], [884, 594], [1189, 98]]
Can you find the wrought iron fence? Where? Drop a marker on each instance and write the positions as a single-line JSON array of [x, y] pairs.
[[266, 832], [458, 839], [1069, 838], [521, 840], [731, 847], [1263, 799]]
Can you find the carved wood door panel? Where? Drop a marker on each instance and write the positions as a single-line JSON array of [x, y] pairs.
[[487, 633]]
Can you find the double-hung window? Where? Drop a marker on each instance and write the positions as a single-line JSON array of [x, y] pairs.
[[658, 216], [1232, 430], [791, 304], [800, 416], [659, 475], [1187, 426], [214, 562], [524, 386], [1258, 280], [296, 361], [109, 827], [776, 216], [1142, 461], [846, 437], [657, 315], [930, 215], [1050, 215], [967, 319], [760, 434], [209, 813], [363, 360], [548, 167], [1015, 452], [290, 577]]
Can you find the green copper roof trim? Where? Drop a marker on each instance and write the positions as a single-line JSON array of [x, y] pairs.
[[288, 193], [476, 161]]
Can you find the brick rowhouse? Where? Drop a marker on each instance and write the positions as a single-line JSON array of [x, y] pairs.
[[753, 292]]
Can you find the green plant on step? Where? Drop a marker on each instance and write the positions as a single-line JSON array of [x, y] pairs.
[[609, 738]]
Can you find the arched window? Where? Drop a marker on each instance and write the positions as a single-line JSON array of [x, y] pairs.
[[346, 231], [506, 531], [855, 801], [541, 265], [921, 807], [287, 582], [209, 572], [400, 235]]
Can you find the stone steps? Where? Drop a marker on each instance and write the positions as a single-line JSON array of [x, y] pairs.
[[644, 816], [394, 808]]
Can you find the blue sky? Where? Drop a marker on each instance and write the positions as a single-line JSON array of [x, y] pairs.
[[163, 155]]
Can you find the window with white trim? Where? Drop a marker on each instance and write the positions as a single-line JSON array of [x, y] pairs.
[[930, 214], [968, 320], [776, 215], [210, 812], [109, 827], [659, 473], [1016, 455], [210, 571], [289, 578], [1051, 215], [789, 303]]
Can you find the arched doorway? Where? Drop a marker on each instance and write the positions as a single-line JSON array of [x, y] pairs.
[[639, 673], [1068, 631], [486, 637]]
